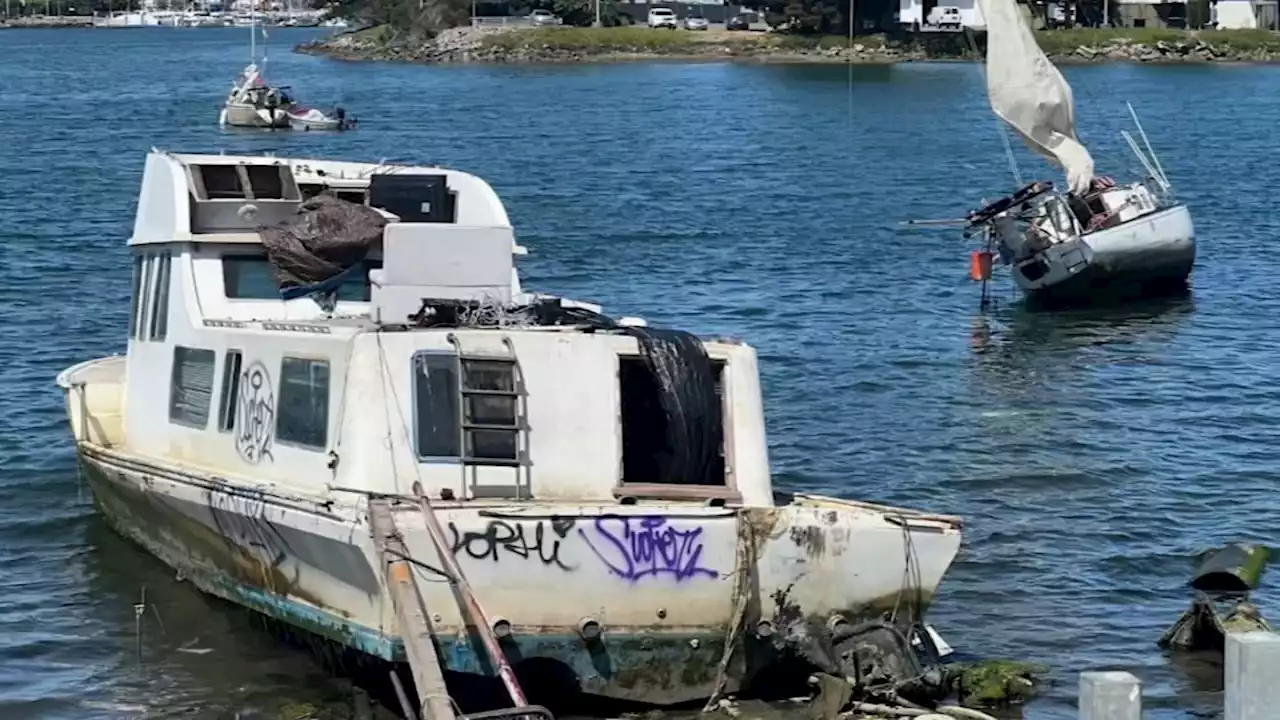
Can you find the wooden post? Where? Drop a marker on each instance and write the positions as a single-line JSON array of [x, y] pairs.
[[1110, 696], [1249, 677], [419, 645]]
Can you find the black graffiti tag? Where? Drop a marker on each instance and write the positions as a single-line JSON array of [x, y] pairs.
[[255, 421], [511, 537]]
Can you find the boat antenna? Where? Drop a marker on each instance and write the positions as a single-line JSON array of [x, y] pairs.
[[1159, 171]]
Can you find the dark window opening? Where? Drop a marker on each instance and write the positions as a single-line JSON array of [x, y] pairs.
[[302, 417], [191, 386], [435, 397], [230, 391], [646, 450], [266, 181], [160, 311], [135, 304], [221, 182], [491, 412], [251, 277]]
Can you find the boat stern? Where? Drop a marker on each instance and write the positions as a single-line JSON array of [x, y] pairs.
[[825, 562]]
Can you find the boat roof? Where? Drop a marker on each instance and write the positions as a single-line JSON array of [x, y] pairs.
[[208, 198]]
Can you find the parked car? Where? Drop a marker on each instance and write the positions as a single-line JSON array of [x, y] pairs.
[[662, 17], [738, 22], [696, 23], [543, 17], [946, 17]]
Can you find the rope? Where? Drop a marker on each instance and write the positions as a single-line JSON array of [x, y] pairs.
[[745, 561]]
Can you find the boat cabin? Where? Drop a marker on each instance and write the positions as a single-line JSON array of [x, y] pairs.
[[422, 361]]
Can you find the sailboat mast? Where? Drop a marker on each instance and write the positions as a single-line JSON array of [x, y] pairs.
[[253, 34]]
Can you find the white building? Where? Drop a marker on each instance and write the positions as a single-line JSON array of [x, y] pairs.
[[1244, 14]]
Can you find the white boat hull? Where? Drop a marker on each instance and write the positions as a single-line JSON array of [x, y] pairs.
[[664, 581], [236, 115], [1149, 255]]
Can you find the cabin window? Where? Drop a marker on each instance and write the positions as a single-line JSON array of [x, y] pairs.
[[265, 181], [148, 283], [435, 406], [490, 421], [160, 312], [646, 454], [191, 386], [230, 391], [488, 426], [251, 277], [221, 182], [302, 417], [135, 303]]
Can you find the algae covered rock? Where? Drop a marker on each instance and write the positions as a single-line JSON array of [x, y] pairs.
[[995, 683]]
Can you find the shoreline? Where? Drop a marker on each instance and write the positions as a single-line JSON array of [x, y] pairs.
[[559, 46]]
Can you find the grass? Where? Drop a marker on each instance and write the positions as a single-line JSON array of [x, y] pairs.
[[614, 39]]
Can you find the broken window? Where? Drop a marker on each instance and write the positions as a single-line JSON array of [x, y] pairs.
[[661, 446]]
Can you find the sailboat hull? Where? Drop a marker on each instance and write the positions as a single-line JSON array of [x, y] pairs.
[[1152, 255]]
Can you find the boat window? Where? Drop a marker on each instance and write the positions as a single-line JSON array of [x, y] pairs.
[[145, 311], [645, 446], [302, 417], [230, 391], [160, 315], [435, 410], [191, 386], [490, 422], [266, 182], [135, 303], [221, 182], [251, 277]]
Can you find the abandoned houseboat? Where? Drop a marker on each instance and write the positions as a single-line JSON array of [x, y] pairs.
[[333, 369]]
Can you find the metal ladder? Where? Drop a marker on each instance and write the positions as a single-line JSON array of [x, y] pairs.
[[517, 431]]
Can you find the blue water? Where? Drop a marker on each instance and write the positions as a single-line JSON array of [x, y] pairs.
[[1091, 453]]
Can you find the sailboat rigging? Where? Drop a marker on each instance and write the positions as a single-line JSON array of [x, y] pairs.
[[252, 102]]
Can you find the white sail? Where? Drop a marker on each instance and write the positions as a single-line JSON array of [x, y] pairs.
[[1030, 94]]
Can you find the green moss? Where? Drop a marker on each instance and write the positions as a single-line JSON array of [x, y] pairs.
[[994, 683]]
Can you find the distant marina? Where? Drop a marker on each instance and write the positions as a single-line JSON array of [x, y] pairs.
[[195, 16]]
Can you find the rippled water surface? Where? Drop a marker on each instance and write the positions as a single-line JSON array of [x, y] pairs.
[[1090, 453]]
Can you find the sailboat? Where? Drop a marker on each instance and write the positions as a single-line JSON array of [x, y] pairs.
[[252, 102], [1097, 241]]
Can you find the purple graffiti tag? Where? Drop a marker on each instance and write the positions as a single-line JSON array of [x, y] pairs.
[[639, 547]]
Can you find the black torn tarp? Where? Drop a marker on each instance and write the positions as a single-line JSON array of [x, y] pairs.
[[326, 239], [686, 386]]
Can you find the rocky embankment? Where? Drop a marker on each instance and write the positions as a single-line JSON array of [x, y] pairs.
[[525, 45], [46, 21], [1190, 50]]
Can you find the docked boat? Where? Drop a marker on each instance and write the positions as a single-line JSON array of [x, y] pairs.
[[302, 117], [1097, 241], [339, 407], [254, 104]]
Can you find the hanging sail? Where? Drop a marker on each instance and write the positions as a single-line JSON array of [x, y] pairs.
[[1030, 94]]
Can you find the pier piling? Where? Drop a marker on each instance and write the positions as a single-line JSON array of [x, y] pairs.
[[1249, 675], [1110, 696]]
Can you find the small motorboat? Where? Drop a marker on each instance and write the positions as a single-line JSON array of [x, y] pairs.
[[309, 118]]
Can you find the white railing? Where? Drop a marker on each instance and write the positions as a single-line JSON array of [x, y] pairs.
[[501, 21]]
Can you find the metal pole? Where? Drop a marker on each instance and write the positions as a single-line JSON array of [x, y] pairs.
[[597, 23], [1106, 13]]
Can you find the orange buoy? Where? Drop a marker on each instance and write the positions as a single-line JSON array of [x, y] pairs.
[[980, 265]]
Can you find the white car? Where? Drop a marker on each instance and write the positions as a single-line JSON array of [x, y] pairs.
[[946, 17], [543, 17], [662, 17]]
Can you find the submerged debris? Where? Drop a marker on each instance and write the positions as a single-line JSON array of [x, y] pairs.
[[1223, 582], [995, 683]]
